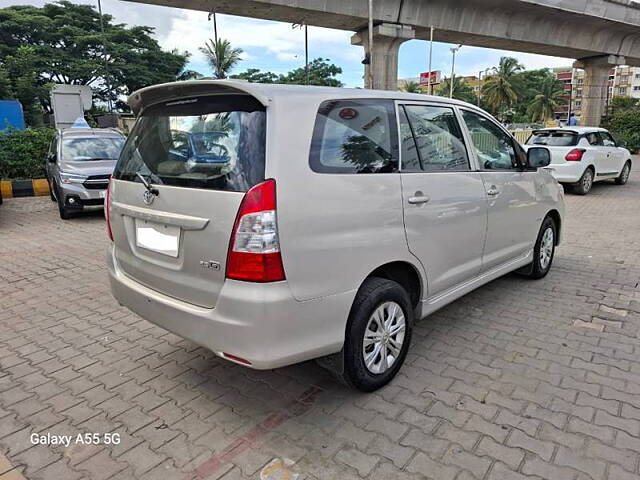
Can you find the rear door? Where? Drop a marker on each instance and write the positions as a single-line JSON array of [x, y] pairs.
[[615, 156], [445, 210], [176, 242], [596, 153]]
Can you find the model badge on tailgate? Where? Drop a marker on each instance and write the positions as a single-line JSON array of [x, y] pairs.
[[210, 264]]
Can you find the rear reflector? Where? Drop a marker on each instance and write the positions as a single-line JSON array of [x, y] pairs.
[[575, 155], [254, 249], [235, 358]]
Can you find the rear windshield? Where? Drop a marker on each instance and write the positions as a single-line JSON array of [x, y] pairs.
[[81, 149], [553, 139], [215, 142]]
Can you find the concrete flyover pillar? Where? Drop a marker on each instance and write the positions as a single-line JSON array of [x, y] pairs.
[[596, 85], [387, 38]]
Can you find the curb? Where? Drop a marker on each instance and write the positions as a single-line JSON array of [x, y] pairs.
[[24, 188]]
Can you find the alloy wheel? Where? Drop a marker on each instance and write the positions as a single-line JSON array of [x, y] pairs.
[[383, 337], [546, 248]]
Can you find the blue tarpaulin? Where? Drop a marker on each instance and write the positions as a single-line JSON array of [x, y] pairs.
[[11, 115]]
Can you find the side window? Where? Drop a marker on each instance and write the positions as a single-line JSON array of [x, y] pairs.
[[593, 138], [410, 159], [494, 147], [607, 139], [439, 141], [355, 136]]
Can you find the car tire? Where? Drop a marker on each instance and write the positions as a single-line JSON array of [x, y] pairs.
[[585, 183], [65, 214], [624, 174], [376, 299], [51, 195], [544, 250]]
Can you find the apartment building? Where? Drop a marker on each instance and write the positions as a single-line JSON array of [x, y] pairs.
[[624, 81]]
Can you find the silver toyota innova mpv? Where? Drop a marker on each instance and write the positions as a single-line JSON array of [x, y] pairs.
[[274, 224]]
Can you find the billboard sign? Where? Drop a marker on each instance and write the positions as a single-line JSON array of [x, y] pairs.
[[435, 77]]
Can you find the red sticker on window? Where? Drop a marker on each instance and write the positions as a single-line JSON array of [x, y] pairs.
[[348, 113]]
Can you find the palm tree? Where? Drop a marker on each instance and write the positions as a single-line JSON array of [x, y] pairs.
[[410, 86], [461, 89], [221, 56], [499, 91], [547, 100]]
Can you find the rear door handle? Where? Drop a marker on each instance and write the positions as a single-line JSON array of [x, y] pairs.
[[418, 199], [493, 191]]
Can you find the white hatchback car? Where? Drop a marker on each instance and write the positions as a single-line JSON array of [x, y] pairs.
[[336, 218], [583, 155]]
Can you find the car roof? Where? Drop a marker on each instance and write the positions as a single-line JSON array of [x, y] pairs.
[[578, 130], [266, 93], [91, 132]]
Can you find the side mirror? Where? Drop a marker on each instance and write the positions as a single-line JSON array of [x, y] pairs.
[[622, 144], [538, 157]]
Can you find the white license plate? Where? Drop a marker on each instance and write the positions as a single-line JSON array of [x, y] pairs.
[[164, 239]]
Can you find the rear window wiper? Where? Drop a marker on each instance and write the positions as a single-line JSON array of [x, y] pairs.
[[150, 188]]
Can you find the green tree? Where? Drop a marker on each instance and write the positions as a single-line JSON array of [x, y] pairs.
[[221, 56], [625, 126], [548, 98], [411, 87], [18, 80], [321, 72], [499, 91], [69, 48], [461, 89], [527, 85], [623, 103], [255, 75]]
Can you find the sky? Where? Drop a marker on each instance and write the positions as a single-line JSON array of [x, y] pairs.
[[277, 47]]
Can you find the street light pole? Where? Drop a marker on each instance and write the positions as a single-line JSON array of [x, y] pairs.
[[106, 59], [454, 50], [430, 88], [370, 33], [485, 71]]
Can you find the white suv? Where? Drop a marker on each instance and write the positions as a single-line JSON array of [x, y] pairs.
[[318, 222], [583, 155]]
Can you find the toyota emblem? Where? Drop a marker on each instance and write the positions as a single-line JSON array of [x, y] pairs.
[[148, 197]]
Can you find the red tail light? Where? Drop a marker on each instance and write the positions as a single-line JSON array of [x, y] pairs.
[[575, 155], [107, 209], [254, 249]]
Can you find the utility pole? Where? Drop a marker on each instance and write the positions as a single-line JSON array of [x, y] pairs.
[[430, 88], [106, 59], [370, 32], [454, 50], [485, 71], [212, 15], [302, 24], [306, 52]]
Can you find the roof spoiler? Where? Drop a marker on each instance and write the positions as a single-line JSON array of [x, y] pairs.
[[145, 97]]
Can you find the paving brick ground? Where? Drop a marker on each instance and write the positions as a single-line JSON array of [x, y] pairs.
[[518, 380]]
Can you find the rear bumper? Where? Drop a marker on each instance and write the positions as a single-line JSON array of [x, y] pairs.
[[569, 172], [262, 323]]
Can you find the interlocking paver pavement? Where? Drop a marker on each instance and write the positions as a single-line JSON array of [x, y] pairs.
[[505, 383]]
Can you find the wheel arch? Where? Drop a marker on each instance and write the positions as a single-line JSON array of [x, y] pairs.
[[404, 273], [555, 216]]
